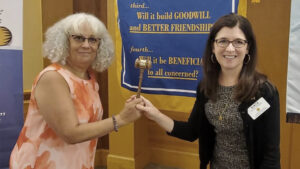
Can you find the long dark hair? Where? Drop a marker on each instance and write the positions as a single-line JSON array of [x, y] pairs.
[[249, 78]]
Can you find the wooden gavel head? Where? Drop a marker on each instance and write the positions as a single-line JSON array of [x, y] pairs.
[[143, 63]]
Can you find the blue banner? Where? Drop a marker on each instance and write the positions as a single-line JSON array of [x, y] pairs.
[[11, 101], [11, 75], [170, 33]]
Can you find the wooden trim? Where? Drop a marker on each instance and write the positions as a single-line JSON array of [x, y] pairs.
[[102, 155], [116, 161], [178, 159]]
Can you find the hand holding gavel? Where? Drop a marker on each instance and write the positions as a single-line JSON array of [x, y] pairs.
[[142, 64]]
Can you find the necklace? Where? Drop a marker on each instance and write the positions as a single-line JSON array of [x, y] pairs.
[[222, 112]]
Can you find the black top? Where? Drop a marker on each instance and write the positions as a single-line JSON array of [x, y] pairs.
[[262, 134]]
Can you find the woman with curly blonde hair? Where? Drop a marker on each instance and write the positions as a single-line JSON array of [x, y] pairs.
[[64, 118]]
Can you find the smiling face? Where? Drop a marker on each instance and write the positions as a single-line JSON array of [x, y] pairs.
[[230, 57], [82, 50]]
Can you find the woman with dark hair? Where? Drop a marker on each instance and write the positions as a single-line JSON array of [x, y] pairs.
[[236, 113]]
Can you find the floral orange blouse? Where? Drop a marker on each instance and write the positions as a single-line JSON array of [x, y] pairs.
[[39, 147]]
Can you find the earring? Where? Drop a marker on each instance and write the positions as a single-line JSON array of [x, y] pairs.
[[249, 58], [212, 58]]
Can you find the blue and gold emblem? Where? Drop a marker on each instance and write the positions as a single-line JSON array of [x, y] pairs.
[[5, 36]]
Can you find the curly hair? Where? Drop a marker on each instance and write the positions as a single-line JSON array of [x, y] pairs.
[[56, 45]]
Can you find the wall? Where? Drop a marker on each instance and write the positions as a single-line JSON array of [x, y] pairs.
[[36, 21], [270, 19], [53, 11], [32, 42]]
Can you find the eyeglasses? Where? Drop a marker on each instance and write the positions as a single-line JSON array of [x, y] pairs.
[[81, 39], [237, 43]]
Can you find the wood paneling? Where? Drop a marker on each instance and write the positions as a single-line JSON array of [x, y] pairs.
[[166, 150], [101, 157], [270, 20], [159, 139], [96, 7], [53, 11], [32, 42]]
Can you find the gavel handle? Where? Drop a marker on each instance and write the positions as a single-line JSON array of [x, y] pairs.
[[140, 83]]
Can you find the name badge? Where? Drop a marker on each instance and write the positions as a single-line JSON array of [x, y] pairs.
[[258, 108]]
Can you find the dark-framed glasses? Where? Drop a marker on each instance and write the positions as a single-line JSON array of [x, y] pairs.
[[81, 39], [237, 43]]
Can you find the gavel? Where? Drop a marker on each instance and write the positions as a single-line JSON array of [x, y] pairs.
[[142, 64]]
